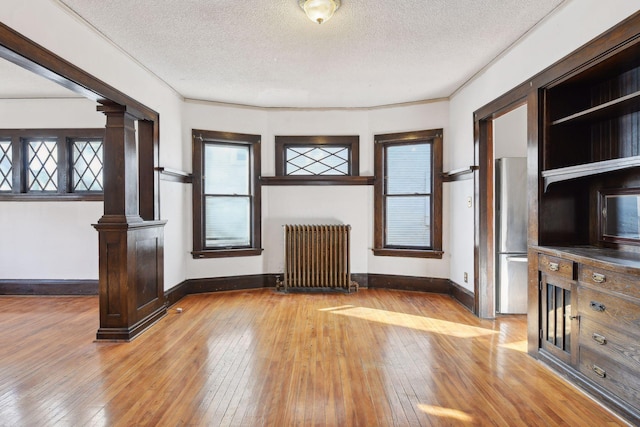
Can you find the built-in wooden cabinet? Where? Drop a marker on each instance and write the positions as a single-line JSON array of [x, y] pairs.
[[586, 219]]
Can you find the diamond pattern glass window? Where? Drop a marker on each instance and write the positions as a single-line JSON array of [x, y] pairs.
[[51, 164], [87, 164], [6, 165], [318, 160], [42, 165]]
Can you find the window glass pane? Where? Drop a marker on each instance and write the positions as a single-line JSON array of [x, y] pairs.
[[226, 169], [42, 162], [6, 158], [408, 220], [227, 221], [408, 169], [317, 160], [87, 165]]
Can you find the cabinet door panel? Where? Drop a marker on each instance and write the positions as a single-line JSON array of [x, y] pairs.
[[558, 317]]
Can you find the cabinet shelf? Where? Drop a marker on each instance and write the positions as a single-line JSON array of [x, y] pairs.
[[619, 106], [551, 176]]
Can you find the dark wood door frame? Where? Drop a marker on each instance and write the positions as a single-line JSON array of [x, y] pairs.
[[131, 269], [484, 219]]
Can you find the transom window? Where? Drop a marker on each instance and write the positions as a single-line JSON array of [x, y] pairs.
[[317, 155], [309, 160], [51, 163], [408, 194], [226, 194]]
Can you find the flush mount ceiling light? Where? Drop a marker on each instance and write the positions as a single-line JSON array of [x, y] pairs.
[[319, 10]]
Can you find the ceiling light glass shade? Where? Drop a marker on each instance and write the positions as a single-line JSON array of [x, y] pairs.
[[319, 10]]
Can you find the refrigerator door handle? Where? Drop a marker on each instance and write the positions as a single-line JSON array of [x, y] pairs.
[[517, 258]]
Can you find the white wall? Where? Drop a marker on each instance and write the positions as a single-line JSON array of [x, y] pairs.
[[573, 24]]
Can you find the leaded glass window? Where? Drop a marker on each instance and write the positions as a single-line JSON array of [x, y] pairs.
[[87, 164], [317, 160], [51, 164], [42, 165], [6, 165]]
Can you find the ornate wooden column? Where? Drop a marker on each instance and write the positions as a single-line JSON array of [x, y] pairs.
[[131, 249]]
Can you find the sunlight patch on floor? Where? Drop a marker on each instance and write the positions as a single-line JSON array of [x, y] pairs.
[[341, 307], [439, 411], [421, 323], [516, 345]]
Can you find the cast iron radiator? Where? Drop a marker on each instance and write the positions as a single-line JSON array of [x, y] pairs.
[[316, 257]]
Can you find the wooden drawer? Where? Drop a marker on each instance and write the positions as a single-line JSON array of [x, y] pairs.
[[609, 310], [610, 375], [616, 345], [609, 280], [556, 266]]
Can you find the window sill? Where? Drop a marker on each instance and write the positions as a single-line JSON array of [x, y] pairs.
[[226, 253], [408, 253], [55, 197], [317, 180]]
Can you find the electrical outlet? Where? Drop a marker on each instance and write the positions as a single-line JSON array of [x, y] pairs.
[[466, 277]]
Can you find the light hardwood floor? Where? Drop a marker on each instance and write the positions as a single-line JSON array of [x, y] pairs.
[[259, 358]]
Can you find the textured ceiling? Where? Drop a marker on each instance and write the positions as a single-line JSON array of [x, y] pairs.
[[268, 54]]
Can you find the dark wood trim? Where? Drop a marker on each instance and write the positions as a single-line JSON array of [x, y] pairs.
[[435, 137], [462, 295], [226, 253], [408, 253], [362, 279], [459, 174], [56, 197], [317, 180], [48, 287], [365, 280], [199, 137], [409, 283], [351, 141], [174, 175], [148, 175], [24, 52]]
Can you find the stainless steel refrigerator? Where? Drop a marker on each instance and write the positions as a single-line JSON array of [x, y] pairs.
[[511, 235]]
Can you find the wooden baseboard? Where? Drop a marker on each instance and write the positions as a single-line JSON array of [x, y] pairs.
[[48, 287], [364, 280], [463, 296], [409, 283]]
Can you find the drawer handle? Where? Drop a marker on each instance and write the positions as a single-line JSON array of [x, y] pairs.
[[554, 266], [599, 371], [597, 306], [599, 339], [598, 278]]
